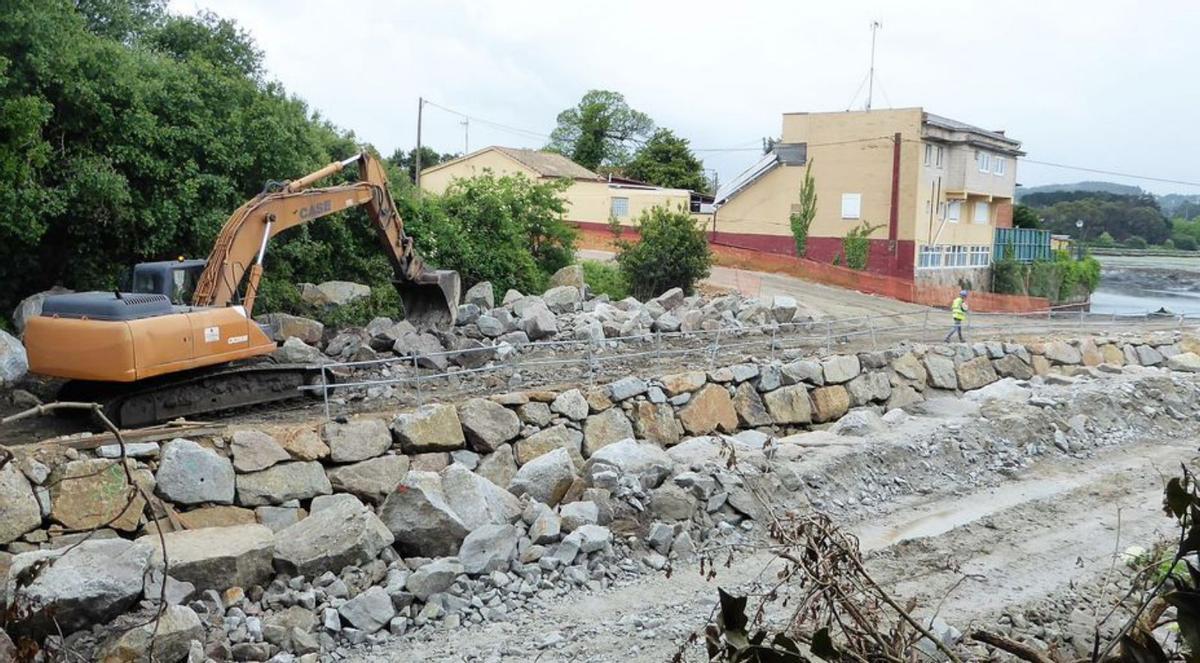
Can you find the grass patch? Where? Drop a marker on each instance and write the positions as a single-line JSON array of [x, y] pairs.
[[605, 278]]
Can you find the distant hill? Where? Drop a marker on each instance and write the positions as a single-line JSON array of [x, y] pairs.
[[1096, 187]]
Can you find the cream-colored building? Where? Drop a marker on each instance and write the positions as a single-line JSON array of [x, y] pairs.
[[591, 199], [935, 190]]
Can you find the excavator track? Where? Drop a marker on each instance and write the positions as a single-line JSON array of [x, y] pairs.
[[201, 392]]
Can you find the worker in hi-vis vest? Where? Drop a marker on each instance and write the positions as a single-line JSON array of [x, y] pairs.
[[959, 311]]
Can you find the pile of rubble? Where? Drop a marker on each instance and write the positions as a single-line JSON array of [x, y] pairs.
[[486, 331], [292, 543]]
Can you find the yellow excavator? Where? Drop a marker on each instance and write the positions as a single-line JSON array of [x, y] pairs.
[[153, 353]]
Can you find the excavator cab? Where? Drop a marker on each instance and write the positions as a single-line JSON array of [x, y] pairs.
[[174, 279]]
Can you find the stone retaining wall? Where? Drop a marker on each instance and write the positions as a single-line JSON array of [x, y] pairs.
[[373, 523]]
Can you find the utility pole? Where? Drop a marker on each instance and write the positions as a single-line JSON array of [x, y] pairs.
[[417, 158], [875, 25], [466, 135]]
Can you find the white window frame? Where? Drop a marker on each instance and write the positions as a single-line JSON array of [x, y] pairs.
[[987, 216], [930, 257], [998, 166], [612, 208], [981, 256], [928, 154], [938, 156], [852, 206], [953, 211], [983, 161]]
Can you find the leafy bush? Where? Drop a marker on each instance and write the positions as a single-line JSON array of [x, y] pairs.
[[1104, 241], [857, 245], [508, 230], [1058, 280], [1185, 243], [1135, 242], [672, 253], [1169, 244], [803, 212], [605, 279]]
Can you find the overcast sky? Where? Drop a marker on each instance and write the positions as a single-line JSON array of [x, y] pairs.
[[1098, 83]]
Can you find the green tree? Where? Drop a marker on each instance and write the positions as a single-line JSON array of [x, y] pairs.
[[804, 211], [856, 245], [208, 37], [600, 130], [1025, 217], [672, 253], [407, 161], [666, 160], [1136, 242], [1104, 241]]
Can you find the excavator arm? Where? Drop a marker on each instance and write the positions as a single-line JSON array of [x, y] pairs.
[[430, 297]]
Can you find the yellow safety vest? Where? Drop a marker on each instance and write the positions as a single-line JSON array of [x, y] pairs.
[[958, 310]]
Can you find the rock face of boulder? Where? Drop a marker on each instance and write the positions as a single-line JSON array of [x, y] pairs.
[[605, 428], [476, 500], [488, 424], [421, 518], [87, 584], [167, 640], [829, 403], [545, 478], [840, 368], [32, 306], [1059, 352], [941, 372], [370, 480], [281, 483], [482, 295], [14, 363], [434, 577], [357, 439], [85, 494], [709, 409], [216, 557], [657, 422], [433, 427], [19, 509], [344, 534], [333, 293], [254, 450], [284, 326], [571, 275], [192, 474], [488, 548], [645, 461], [976, 373], [790, 405]]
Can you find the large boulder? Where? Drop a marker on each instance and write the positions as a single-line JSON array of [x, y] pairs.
[[14, 363], [343, 534], [538, 322], [1187, 362], [869, 387], [859, 423], [1011, 366], [488, 424], [976, 373], [605, 428], [255, 450], [645, 461], [489, 548], [476, 500], [281, 483], [1060, 352], [829, 403], [356, 439], [499, 467], [840, 368], [333, 293], [216, 557], [562, 299], [31, 306], [909, 367], [191, 474], [542, 442], [571, 275], [433, 427], [709, 409], [428, 350], [545, 478], [421, 518], [89, 583], [749, 406], [482, 295], [19, 509], [284, 326], [371, 480], [941, 372], [87, 494], [167, 638], [433, 578], [680, 383], [571, 404], [790, 405], [656, 422], [295, 351]]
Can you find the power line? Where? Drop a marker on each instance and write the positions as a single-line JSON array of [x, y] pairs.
[[1099, 171], [496, 125]]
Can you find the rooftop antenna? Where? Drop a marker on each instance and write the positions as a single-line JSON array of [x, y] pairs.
[[875, 25]]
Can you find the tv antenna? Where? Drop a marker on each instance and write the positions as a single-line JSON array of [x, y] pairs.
[[875, 25]]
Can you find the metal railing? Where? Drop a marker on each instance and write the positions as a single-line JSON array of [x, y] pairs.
[[780, 339]]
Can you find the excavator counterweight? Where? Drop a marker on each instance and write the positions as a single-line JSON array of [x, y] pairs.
[[149, 356]]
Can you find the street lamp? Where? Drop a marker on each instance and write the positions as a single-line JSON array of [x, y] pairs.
[[1079, 244]]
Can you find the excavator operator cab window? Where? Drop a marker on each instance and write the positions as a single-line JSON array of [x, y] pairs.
[[175, 279]]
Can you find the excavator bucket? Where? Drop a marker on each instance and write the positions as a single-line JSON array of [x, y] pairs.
[[431, 299]]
